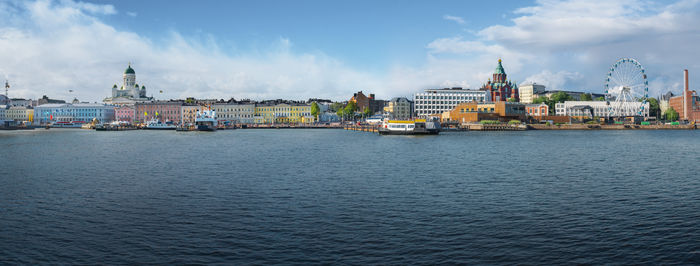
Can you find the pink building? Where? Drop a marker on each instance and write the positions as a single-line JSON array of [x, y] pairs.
[[162, 110], [124, 113]]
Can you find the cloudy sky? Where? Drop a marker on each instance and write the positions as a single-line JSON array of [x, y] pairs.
[[330, 49]]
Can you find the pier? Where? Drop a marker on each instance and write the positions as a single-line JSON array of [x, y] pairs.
[[364, 128]]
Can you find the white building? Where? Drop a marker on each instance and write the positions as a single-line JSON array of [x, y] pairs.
[[19, 114], [65, 112], [399, 108], [3, 112], [237, 113], [130, 92], [597, 108], [528, 92], [436, 101]]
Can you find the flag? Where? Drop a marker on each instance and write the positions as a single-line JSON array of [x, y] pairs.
[[145, 113], [156, 113]]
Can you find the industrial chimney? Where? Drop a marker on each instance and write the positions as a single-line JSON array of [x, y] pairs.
[[686, 91]]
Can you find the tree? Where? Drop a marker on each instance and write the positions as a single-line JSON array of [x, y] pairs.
[[512, 100], [341, 113], [671, 114], [367, 112], [315, 111], [336, 106], [560, 97], [654, 109], [350, 109], [586, 97], [601, 99]]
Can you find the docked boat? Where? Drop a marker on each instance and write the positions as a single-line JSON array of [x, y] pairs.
[[206, 120], [409, 127], [158, 125]]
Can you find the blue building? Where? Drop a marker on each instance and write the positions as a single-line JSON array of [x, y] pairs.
[[78, 113]]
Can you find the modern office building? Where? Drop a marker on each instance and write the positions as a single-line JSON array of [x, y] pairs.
[[529, 91], [437, 101]]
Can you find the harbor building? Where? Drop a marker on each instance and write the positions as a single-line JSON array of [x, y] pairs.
[[688, 104], [163, 111], [596, 108], [537, 109], [399, 108], [188, 113], [475, 111], [501, 89], [125, 113], [282, 112], [73, 113], [235, 112], [437, 101], [529, 91], [129, 92], [3, 112], [20, 114], [362, 101]]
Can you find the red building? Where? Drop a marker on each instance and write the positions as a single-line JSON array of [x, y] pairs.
[[688, 104], [501, 89], [124, 113], [162, 110], [537, 109]]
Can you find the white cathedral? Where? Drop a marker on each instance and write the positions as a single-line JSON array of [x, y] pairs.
[[129, 92]]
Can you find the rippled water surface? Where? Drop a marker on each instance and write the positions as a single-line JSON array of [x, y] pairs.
[[342, 197]]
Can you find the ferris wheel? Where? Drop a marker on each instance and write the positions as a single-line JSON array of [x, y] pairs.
[[627, 88]]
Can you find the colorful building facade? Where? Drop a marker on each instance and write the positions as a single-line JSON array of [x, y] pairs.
[[78, 113], [501, 89], [474, 112], [163, 111], [124, 113]]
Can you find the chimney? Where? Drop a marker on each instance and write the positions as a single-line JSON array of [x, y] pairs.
[[685, 94]]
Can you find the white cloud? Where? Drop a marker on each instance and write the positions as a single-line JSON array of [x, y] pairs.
[[571, 44], [57, 47], [457, 19], [131, 14]]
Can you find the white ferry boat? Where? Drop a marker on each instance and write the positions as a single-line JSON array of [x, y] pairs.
[[206, 120], [157, 124], [409, 127]]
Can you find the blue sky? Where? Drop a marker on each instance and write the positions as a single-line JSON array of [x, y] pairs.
[[330, 49]]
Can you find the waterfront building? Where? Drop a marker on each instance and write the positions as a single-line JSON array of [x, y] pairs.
[[3, 112], [188, 113], [80, 112], [164, 111], [20, 114], [369, 102], [501, 89], [399, 108], [471, 112], [595, 108], [529, 91], [688, 104], [328, 117], [281, 112], [129, 92], [125, 113], [537, 109], [235, 112], [436, 101]]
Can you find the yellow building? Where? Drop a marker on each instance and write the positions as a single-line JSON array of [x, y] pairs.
[[283, 113]]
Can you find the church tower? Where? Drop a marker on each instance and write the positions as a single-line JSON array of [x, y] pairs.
[[130, 81]]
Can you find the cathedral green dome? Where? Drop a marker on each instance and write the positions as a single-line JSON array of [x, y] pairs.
[[499, 69], [129, 70]]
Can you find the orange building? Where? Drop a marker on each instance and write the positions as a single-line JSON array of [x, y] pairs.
[[475, 112], [537, 109], [688, 104]]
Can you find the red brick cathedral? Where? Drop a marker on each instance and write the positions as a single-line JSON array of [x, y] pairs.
[[501, 89]]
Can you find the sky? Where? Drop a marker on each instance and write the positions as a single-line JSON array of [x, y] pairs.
[[330, 49]]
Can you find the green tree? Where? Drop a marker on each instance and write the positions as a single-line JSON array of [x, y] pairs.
[[350, 109], [539, 100], [341, 113], [512, 100], [671, 114], [336, 106], [586, 97], [654, 109], [315, 110], [601, 98], [367, 112], [560, 97]]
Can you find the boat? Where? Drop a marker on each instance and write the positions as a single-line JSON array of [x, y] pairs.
[[158, 125], [206, 120], [71, 124], [409, 127]]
